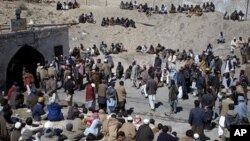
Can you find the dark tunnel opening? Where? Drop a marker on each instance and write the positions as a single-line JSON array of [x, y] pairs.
[[26, 57]]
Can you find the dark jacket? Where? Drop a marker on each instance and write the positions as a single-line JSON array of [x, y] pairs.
[[73, 113], [4, 132], [69, 86], [119, 70], [144, 133], [111, 93], [38, 110], [180, 79], [173, 92], [208, 100], [166, 137], [151, 86], [200, 84], [218, 64], [231, 118], [157, 62], [15, 135], [55, 113], [197, 117]]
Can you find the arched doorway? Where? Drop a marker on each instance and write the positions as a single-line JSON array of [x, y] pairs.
[[27, 57]]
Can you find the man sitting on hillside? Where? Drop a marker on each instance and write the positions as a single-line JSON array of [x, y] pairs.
[[95, 51], [234, 16], [103, 47], [211, 7], [59, 6], [204, 7], [226, 16], [76, 5], [135, 5], [130, 6], [173, 9], [241, 15], [104, 22], [65, 6], [90, 18], [70, 5], [122, 5], [151, 50], [82, 18], [221, 39], [185, 8], [198, 10], [180, 9], [163, 10]]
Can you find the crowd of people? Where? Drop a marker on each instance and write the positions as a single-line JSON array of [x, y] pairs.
[[202, 76], [104, 116], [125, 22], [67, 5], [187, 9]]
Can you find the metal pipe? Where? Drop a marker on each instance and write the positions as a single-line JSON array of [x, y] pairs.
[[247, 9]]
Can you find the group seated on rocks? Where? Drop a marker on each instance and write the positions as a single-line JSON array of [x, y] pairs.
[[191, 10], [206, 7], [151, 10], [128, 5], [118, 21], [90, 18], [114, 49], [165, 53], [67, 6], [235, 16], [104, 47], [151, 49], [143, 8], [196, 10], [117, 48]]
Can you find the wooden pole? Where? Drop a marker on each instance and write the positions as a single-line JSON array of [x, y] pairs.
[[106, 3], [247, 9]]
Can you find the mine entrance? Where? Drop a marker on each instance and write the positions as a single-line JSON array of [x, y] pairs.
[[26, 57]]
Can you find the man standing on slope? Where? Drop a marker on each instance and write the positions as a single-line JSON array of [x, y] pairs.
[[151, 88]]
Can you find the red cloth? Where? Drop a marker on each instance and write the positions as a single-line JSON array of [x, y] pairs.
[[28, 79], [90, 94], [11, 91]]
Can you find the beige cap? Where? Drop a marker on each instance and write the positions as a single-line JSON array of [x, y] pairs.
[[41, 99]]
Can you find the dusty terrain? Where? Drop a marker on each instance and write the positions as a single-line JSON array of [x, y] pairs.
[[174, 31]]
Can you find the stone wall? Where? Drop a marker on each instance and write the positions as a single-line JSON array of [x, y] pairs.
[[43, 40]]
